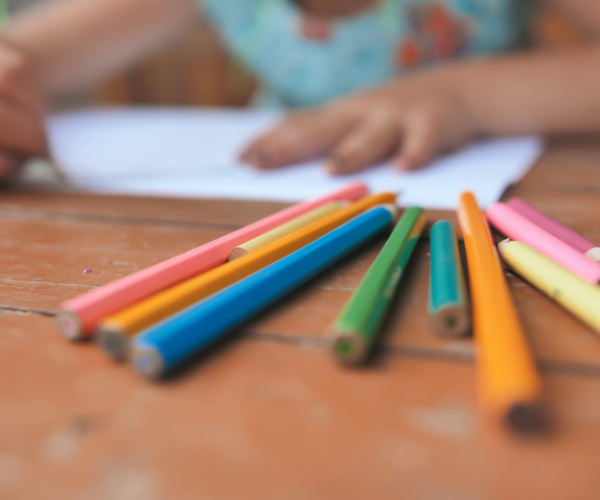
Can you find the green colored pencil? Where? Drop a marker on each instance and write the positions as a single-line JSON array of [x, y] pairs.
[[449, 309], [355, 329], [3, 13]]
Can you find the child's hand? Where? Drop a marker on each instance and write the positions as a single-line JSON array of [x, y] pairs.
[[410, 121], [21, 111]]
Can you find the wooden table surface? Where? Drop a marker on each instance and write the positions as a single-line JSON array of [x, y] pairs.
[[268, 415]]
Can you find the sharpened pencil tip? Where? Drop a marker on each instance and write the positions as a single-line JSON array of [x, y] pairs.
[[393, 209], [237, 252], [503, 244], [593, 254]]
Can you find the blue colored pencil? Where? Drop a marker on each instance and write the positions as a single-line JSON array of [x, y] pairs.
[[167, 344]]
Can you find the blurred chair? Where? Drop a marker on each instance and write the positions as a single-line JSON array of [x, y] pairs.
[[195, 70]]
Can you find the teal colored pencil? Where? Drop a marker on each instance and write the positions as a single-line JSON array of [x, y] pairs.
[[355, 329], [449, 309]]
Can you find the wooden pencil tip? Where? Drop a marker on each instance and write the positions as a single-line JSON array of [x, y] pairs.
[[70, 325], [147, 361], [393, 209], [452, 321], [593, 254], [114, 343], [237, 252], [349, 348], [503, 244]]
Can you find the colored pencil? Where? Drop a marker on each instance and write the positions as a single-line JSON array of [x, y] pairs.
[[569, 290], [449, 310], [509, 382], [116, 330], [518, 228], [80, 315], [285, 229], [164, 346], [3, 13], [555, 228], [355, 329], [489, 230]]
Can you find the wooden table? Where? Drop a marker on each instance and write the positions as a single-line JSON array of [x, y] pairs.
[[268, 415]]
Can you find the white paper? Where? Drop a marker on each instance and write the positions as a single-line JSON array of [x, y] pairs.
[[192, 152]]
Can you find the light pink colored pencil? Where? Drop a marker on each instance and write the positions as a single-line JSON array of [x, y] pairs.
[[79, 316], [555, 228], [518, 228]]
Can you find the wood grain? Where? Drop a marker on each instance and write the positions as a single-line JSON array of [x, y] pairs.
[[268, 414]]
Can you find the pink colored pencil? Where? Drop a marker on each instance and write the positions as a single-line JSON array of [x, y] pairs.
[[518, 228], [555, 228], [80, 315]]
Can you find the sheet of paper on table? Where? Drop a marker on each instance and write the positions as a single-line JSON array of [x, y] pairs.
[[191, 152]]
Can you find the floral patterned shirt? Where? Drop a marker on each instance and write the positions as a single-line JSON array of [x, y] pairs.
[[303, 61]]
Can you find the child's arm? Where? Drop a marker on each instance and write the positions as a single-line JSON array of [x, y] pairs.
[[73, 43], [415, 118], [63, 46]]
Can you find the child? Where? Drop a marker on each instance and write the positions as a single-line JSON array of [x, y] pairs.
[[375, 78]]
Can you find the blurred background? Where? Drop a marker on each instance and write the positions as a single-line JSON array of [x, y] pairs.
[[197, 69]]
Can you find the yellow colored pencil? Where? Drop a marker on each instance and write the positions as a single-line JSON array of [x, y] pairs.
[[285, 229], [509, 382], [115, 331], [565, 287]]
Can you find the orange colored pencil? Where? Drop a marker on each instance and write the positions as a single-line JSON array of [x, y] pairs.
[[509, 383]]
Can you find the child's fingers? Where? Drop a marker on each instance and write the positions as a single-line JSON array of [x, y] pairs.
[[21, 130], [17, 82], [420, 142], [369, 142], [300, 137], [9, 164]]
